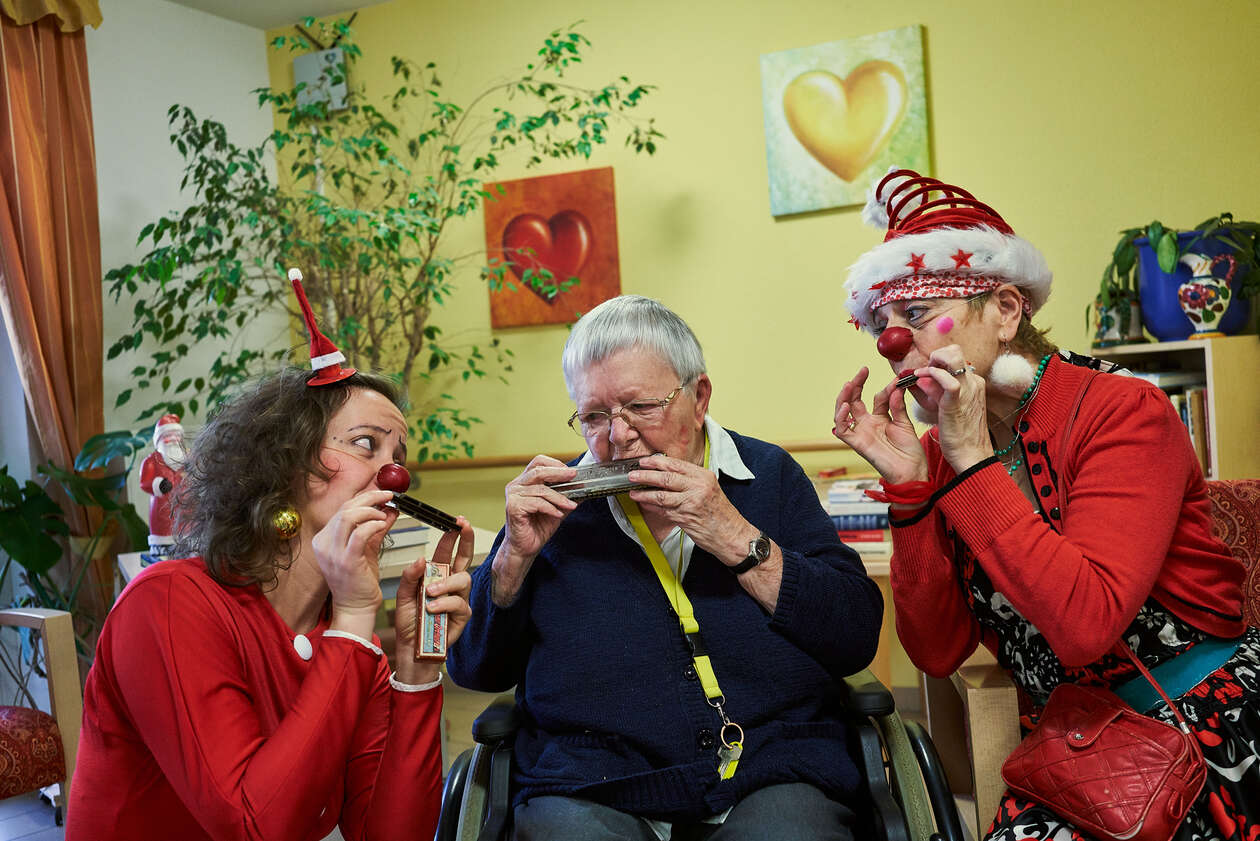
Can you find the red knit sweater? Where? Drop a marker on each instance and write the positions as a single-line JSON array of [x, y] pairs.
[[1135, 522], [202, 721]]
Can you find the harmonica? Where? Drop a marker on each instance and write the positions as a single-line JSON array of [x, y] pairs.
[[431, 627], [425, 513], [907, 380], [600, 479]]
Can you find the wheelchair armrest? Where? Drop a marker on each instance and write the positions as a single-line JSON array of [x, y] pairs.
[[865, 695], [497, 722]]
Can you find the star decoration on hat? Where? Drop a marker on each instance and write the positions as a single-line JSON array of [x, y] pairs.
[[916, 262], [961, 259]]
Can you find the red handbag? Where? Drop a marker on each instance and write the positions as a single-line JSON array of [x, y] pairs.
[[1107, 769]]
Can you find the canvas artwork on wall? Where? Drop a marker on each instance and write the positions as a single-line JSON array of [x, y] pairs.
[[838, 114], [565, 224]]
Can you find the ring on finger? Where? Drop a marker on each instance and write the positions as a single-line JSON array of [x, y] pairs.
[[959, 372]]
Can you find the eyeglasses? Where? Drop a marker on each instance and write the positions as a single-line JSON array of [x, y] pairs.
[[635, 413]]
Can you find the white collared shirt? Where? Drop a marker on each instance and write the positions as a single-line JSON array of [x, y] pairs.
[[723, 459]]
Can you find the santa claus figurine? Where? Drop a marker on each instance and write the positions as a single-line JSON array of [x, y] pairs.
[[159, 474]]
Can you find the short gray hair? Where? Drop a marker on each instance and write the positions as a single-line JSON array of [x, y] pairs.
[[630, 321]]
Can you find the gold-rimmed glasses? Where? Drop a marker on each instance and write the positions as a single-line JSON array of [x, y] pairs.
[[641, 412]]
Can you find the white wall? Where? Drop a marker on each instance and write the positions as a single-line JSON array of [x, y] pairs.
[[145, 57]]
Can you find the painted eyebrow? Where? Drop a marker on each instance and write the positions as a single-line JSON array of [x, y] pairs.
[[400, 451]]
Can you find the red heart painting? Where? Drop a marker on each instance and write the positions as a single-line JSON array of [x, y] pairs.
[[560, 245]]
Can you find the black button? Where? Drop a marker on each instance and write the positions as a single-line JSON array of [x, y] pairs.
[[705, 740], [1054, 512], [1036, 469], [690, 673], [1023, 426], [1046, 490], [1033, 446]]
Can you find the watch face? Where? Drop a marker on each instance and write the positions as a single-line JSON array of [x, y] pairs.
[[760, 548]]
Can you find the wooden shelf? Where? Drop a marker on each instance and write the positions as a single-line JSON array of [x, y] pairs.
[[1231, 368]]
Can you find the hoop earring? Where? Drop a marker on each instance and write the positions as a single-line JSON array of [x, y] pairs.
[[286, 521]]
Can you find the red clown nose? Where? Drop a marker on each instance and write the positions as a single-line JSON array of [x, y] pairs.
[[393, 477], [894, 343]]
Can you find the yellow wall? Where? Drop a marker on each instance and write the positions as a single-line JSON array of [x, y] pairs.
[[1073, 119]]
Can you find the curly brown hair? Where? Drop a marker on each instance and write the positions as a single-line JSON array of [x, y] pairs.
[[252, 459]]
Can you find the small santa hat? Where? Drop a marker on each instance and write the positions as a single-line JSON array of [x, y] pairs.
[[166, 423], [325, 358], [940, 243]]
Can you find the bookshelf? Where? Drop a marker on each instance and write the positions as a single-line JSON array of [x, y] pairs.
[[1231, 370]]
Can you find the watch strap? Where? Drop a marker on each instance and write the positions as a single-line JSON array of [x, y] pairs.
[[751, 560]]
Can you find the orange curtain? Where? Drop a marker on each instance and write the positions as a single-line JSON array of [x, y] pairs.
[[50, 251]]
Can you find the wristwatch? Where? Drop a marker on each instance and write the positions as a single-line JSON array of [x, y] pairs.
[[758, 551]]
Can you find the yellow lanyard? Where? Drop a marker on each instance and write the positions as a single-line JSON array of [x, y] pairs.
[[729, 756]]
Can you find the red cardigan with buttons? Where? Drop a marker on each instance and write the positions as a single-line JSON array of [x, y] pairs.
[[1126, 517]]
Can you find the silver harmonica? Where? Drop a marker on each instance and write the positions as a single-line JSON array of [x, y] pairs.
[[907, 380], [426, 514], [600, 479]]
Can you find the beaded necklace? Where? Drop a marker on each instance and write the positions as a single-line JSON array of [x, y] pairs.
[[1023, 402]]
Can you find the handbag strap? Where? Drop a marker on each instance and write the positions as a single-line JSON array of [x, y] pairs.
[[1063, 497]]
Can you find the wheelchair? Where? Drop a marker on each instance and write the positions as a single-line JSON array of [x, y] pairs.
[[904, 781]]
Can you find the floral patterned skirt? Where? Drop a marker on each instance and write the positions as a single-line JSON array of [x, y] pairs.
[[1223, 711]]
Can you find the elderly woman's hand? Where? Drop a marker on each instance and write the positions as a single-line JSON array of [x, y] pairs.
[[348, 550], [689, 496], [448, 596], [949, 383], [534, 512], [883, 435]]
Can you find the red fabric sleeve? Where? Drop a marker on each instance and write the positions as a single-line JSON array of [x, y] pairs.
[[179, 669], [394, 776], [1130, 463], [934, 621]]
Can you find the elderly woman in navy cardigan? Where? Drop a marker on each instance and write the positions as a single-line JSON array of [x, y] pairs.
[[722, 721]]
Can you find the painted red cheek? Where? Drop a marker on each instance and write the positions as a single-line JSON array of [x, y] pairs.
[[894, 343], [944, 324], [393, 477]]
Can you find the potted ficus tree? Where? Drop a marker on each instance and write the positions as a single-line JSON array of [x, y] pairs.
[[370, 187], [1189, 282]]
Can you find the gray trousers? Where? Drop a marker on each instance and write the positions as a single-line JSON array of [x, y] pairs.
[[791, 811]]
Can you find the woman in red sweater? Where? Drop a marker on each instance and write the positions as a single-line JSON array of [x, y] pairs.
[[1054, 507], [240, 693]]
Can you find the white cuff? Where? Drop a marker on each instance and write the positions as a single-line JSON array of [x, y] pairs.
[[411, 687], [360, 640]]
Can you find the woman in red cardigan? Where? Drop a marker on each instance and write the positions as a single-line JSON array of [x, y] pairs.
[[240, 693], [1054, 507]]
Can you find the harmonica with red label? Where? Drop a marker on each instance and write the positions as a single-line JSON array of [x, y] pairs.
[[431, 627]]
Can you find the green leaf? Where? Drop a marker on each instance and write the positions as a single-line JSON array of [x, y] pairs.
[[1166, 251]]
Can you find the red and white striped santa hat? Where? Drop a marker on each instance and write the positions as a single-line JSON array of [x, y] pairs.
[[326, 359], [940, 243]]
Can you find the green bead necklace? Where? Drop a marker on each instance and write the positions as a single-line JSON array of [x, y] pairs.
[[1023, 401]]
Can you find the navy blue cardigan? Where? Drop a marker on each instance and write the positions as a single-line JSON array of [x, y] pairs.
[[612, 710]]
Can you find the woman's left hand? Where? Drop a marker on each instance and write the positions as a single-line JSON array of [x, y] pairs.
[[688, 496], [952, 385], [448, 596]]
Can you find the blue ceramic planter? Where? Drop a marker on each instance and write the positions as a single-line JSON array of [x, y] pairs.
[[1161, 311]]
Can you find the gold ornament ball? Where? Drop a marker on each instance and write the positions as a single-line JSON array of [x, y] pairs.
[[286, 521]]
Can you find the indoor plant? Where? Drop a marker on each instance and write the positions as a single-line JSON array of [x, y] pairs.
[[1156, 251], [365, 198], [35, 536]]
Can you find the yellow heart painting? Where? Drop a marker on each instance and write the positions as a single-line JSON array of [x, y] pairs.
[[845, 123], [838, 114]]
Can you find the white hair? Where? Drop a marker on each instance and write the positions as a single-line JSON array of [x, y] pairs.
[[631, 321]]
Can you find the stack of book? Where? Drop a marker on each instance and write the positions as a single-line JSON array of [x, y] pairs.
[[1188, 391], [861, 522]]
